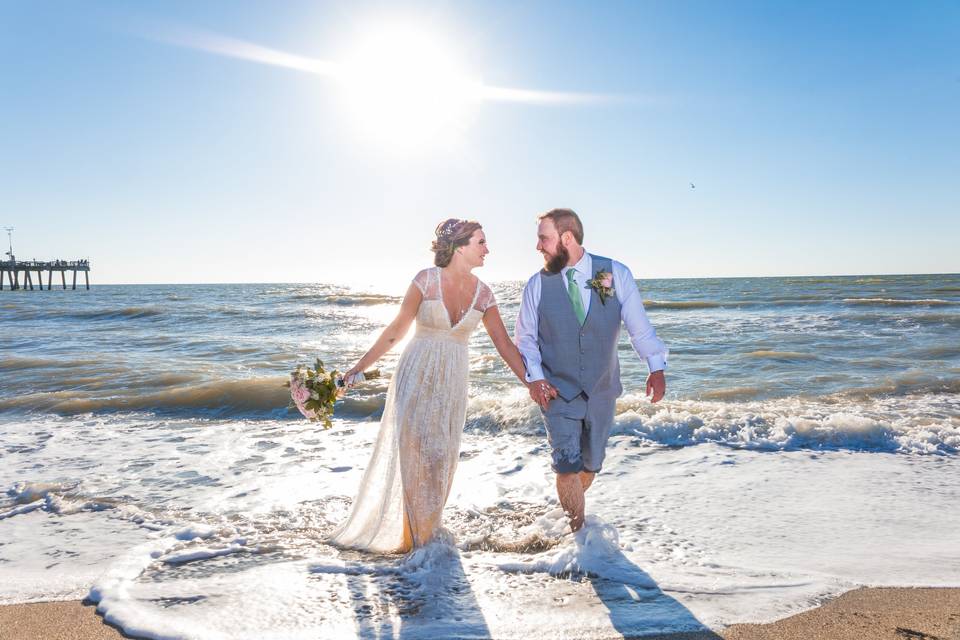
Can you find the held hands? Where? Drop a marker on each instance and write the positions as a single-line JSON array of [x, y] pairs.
[[656, 385], [542, 392]]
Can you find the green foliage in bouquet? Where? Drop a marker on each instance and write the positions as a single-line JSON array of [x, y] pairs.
[[313, 392], [323, 390]]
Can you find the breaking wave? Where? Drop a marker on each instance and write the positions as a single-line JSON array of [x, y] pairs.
[[899, 302], [913, 423]]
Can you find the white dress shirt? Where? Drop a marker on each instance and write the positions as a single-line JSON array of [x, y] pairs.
[[643, 337]]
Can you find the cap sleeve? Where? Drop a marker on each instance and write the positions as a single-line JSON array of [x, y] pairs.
[[485, 299], [428, 283]]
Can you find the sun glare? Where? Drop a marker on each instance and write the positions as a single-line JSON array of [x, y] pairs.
[[404, 88], [402, 85]]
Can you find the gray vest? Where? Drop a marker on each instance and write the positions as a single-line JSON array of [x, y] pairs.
[[579, 359]]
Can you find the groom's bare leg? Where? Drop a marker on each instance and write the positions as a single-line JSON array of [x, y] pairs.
[[586, 479], [570, 492]]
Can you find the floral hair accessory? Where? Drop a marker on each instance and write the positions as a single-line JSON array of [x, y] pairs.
[[448, 229]]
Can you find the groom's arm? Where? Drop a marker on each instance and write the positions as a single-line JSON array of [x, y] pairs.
[[643, 336], [525, 333]]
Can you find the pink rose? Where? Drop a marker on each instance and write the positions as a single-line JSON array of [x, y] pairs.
[[303, 394], [606, 280], [298, 392]]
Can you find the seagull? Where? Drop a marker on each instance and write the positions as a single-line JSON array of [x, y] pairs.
[[693, 186]]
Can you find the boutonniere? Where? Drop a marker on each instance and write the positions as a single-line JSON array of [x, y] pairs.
[[602, 283]]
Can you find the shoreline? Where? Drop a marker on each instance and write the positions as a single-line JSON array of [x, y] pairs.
[[897, 613]]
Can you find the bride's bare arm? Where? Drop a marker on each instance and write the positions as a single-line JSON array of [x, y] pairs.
[[501, 340], [511, 355], [393, 333]]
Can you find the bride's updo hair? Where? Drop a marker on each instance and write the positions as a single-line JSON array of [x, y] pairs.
[[452, 233]]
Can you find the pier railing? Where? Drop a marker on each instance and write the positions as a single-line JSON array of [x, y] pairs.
[[11, 270]]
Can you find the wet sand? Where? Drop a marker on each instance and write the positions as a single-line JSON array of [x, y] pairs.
[[862, 614], [72, 620], [867, 614]]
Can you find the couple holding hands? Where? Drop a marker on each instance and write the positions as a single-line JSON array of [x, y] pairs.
[[564, 351]]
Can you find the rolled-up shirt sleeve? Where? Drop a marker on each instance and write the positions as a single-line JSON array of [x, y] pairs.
[[643, 336], [525, 333]]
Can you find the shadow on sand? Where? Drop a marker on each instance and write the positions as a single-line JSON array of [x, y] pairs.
[[427, 595], [639, 608], [424, 597]]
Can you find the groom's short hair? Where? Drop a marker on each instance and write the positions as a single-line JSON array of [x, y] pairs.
[[565, 220]]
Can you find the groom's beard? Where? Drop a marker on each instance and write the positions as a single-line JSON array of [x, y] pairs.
[[558, 261]]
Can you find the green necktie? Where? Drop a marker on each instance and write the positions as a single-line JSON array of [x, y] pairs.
[[575, 298]]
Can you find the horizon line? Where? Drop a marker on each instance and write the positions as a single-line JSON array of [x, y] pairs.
[[315, 282]]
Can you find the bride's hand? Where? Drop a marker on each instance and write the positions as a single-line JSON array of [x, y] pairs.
[[352, 377], [347, 380], [542, 392]]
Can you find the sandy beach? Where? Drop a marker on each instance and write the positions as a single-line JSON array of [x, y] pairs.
[[877, 614]]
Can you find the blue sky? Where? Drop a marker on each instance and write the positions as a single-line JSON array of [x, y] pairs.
[[822, 138]]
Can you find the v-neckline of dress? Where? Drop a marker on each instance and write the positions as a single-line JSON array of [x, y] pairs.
[[476, 292]]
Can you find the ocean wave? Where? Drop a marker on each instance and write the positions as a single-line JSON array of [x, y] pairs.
[[900, 302], [938, 352], [111, 313], [681, 305], [792, 301], [914, 425], [916, 412], [124, 313], [344, 299], [733, 393], [16, 363], [253, 396], [931, 318], [780, 355], [906, 384], [117, 313], [810, 281], [181, 393]]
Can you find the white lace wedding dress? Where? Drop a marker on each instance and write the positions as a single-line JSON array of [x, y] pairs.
[[406, 485]]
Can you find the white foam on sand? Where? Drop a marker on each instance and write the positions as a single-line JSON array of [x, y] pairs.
[[224, 537], [678, 540]]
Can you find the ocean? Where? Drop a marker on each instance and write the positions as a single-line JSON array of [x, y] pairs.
[[809, 443]]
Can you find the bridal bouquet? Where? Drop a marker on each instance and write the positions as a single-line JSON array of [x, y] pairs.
[[314, 391]]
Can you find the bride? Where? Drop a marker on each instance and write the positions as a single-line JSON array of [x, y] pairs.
[[407, 482]]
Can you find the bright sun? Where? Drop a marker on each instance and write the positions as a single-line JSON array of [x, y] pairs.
[[401, 84], [405, 89]]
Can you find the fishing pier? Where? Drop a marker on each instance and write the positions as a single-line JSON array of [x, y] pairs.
[[11, 268]]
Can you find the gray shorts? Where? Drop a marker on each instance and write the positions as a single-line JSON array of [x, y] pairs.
[[578, 430]]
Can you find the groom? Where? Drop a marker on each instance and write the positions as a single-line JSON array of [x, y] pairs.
[[567, 331]]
